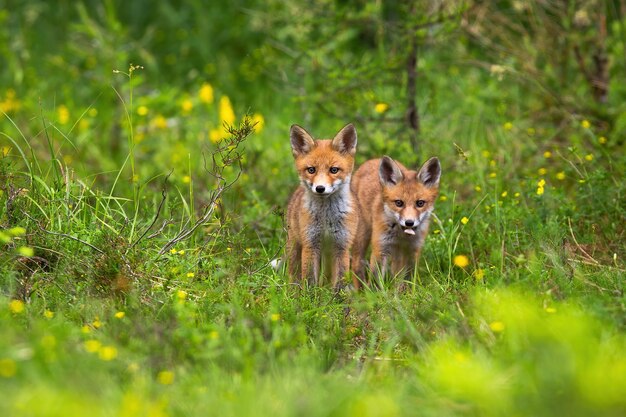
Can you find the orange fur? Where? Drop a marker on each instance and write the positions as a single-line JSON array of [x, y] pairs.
[[395, 205], [322, 214]]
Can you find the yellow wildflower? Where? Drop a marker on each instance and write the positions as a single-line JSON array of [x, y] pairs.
[[227, 114], [160, 122], [142, 110], [16, 306], [215, 135], [380, 108], [464, 220], [504, 194], [547, 154], [96, 323], [492, 175], [120, 315], [206, 93], [479, 274], [181, 252], [173, 251], [107, 353], [48, 314], [478, 188], [92, 346], [275, 317], [8, 368], [560, 176], [63, 114], [589, 157], [258, 121], [165, 377], [4, 151], [540, 186], [485, 153], [496, 326], [602, 140], [26, 251], [531, 131], [461, 261], [443, 198], [214, 335], [542, 171], [585, 124], [508, 126], [186, 179], [186, 105], [190, 275], [181, 295]]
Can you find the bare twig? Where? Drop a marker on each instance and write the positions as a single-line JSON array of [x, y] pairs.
[[158, 213]]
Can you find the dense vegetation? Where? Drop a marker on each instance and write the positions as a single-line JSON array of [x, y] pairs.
[[145, 166]]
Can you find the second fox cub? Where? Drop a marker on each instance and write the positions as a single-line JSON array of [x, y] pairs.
[[322, 214], [395, 205]]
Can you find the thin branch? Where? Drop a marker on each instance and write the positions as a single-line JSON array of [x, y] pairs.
[[63, 234], [158, 213]]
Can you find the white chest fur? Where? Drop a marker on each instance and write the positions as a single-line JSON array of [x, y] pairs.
[[328, 216]]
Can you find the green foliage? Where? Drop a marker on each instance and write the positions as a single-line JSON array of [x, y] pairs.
[[145, 168]]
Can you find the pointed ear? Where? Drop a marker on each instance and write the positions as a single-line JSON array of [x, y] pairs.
[[389, 172], [301, 141], [429, 173], [345, 140]]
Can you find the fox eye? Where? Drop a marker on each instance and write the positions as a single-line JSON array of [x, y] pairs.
[[399, 203], [420, 203], [334, 170], [310, 170]]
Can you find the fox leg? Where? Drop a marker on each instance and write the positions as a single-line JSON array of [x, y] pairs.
[[378, 263], [294, 259], [359, 248], [340, 265], [310, 265]]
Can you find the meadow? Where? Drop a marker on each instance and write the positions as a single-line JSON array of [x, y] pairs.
[[145, 168]]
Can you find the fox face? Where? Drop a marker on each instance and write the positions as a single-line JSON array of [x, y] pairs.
[[409, 197], [324, 165]]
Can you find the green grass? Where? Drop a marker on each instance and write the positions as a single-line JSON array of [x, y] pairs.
[[108, 307]]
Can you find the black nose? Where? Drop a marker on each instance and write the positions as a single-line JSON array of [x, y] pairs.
[[409, 223], [320, 189]]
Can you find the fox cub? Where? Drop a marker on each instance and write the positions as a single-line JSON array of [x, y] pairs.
[[322, 214], [395, 205]]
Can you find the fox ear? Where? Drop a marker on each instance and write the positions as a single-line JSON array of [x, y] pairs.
[[389, 172], [345, 140], [430, 172], [301, 141]]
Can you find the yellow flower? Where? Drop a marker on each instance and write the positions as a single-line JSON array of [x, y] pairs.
[[142, 110], [485, 154], [165, 377], [85, 329], [560, 176], [585, 124], [542, 171], [464, 220], [589, 157], [107, 353], [48, 314], [547, 154], [516, 195], [227, 114], [160, 122], [190, 275], [4, 151], [479, 274], [173, 251], [92, 346], [120, 315], [186, 105], [186, 179], [602, 140], [8, 368], [461, 261], [478, 188], [380, 108], [63, 114], [275, 317], [541, 182], [508, 126], [492, 175], [16, 306], [181, 295], [504, 194], [96, 323], [496, 326], [443, 198], [181, 252], [215, 135], [492, 163], [258, 121], [26, 251], [531, 131], [206, 93], [214, 335]]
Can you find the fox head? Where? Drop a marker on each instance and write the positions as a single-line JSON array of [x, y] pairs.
[[324, 165], [409, 196]]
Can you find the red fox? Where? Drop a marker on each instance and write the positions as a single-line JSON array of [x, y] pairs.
[[395, 206], [322, 214]]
